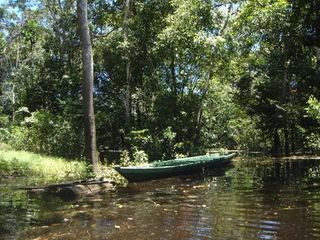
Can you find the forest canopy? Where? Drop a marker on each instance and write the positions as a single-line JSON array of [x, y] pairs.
[[171, 78]]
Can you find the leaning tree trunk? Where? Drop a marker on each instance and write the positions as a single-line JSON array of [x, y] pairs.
[[87, 70]]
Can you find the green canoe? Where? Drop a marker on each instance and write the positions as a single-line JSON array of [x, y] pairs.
[[169, 168]]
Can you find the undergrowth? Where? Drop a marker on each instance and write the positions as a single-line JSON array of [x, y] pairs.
[[21, 163]]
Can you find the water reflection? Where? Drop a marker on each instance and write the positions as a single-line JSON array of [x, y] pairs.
[[256, 199]]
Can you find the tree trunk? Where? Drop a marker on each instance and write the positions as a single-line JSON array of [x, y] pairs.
[[286, 142], [173, 74], [293, 145], [128, 100], [200, 110], [87, 70], [276, 144], [197, 141]]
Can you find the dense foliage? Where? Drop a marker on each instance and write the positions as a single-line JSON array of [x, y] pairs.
[[177, 77]]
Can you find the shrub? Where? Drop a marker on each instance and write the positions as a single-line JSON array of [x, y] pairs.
[[246, 134], [168, 143], [4, 135], [312, 142], [124, 158], [138, 157], [44, 132]]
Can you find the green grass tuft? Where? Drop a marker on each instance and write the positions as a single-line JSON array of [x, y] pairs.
[[20, 163]]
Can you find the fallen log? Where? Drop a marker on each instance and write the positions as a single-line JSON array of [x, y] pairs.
[[71, 190]]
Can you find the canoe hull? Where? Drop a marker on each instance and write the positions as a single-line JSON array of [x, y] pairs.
[[151, 171]]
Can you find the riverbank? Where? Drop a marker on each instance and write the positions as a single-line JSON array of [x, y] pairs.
[[52, 169], [48, 169]]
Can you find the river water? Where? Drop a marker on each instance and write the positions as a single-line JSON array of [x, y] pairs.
[[252, 199]]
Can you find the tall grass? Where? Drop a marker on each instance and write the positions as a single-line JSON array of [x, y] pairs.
[[13, 163]]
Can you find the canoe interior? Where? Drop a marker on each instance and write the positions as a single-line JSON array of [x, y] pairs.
[[184, 161]]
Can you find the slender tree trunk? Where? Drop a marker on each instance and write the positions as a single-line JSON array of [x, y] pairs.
[[318, 53], [87, 70], [276, 144], [128, 100], [286, 142], [293, 145], [13, 104], [197, 141], [173, 74], [200, 110]]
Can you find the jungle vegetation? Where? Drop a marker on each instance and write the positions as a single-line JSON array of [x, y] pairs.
[[170, 77]]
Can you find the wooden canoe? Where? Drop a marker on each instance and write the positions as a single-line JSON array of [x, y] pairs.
[[175, 167]]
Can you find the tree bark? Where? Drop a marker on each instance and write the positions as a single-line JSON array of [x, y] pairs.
[[128, 98], [87, 71]]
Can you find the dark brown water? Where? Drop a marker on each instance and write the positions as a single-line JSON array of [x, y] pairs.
[[254, 199]]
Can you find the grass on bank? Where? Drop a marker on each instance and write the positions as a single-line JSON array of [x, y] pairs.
[[50, 169], [21, 163]]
